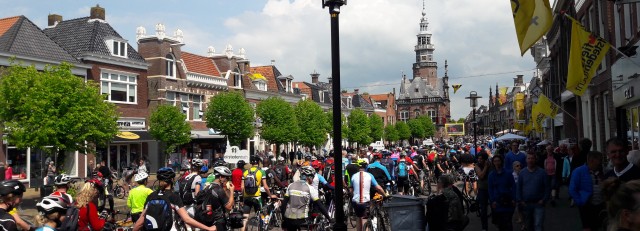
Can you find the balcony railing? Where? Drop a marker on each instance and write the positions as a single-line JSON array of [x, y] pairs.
[[196, 80], [424, 46], [428, 100]]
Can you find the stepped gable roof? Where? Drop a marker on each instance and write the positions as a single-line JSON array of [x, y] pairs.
[[83, 35], [20, 36], [407, 88], [200, 64]]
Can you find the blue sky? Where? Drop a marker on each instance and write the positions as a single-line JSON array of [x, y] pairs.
[[477, 37]]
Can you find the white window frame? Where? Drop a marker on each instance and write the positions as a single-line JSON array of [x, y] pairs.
[[118, 48], [171, 100], [237, 80], [261, 85], [321, 96], [110, 77], [432, 113], [197, 107], [404, 116], [185, 99], [170, 66]]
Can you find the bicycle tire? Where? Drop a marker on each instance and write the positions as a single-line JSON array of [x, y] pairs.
[[369, 225], [119, 192], [427, 191], [350, 214], [253, 224]]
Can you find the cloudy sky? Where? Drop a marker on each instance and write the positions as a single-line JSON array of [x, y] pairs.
[[477, 37]]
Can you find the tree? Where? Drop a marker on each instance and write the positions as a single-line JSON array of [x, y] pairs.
[[312, 122], [279, 123], [230, 114], [417, 128], [428, 125], [359, 129], [329, 121], [390, 133], [54, 108], [168, 124], [404, 133], [377, 126], [460, 121]]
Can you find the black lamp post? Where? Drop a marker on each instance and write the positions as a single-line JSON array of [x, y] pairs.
[[473, 98], [334, 12]]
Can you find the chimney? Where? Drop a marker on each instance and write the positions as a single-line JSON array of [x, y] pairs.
[[329, 79], [356, 91], [97, 12], [314, 77], [519, 80], [54, 19]]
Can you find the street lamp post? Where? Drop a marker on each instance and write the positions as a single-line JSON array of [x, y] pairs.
[[334, 12], [473, 98]]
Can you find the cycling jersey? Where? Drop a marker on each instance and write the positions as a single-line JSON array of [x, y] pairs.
[[259, 175], [236, 179], [6, 221], [379, 166], [362, 182], [317, 180], [137, 197], [300, 195], [63, 195]]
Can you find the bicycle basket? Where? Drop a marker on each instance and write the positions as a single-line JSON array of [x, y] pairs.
[[235, 220]]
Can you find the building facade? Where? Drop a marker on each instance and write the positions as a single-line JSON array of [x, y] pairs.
[[425, 93]]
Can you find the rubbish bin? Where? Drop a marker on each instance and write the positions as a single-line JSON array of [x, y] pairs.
[[406, 213]]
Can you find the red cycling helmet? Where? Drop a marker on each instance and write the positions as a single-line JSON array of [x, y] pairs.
[[377, 155], [316, 164], [96, 183], [329, 161]]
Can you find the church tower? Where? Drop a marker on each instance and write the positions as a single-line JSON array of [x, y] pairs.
[[425, 67]]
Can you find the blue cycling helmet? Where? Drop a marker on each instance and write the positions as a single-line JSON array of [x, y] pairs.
[[204, 169]]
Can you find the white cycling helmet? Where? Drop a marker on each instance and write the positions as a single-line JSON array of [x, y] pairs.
[[197, 163], [280, 158], [221, 171], [307, 171], [52, 204], [140, 176], [62, 179]]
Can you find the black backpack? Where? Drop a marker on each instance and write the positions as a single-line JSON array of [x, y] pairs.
[[159, 212], [186, 193], [208, 207], [71, 220], [280, 172], [251, 183]]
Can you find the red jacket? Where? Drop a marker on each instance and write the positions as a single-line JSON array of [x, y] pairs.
[[91, 217]]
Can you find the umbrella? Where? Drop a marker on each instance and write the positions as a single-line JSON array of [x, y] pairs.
[[510, 136], [544, 142]]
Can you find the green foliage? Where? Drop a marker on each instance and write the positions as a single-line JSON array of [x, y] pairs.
[[428, 125], [390, 133], [312, 121], [403, 130], [359, 129], [417, 128], [168, 124], [329, 121], [460, 121], [54, 108], [377, 126], [230, 114], [279, 123]]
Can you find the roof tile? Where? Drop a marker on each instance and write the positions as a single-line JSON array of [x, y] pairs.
[[22, 37], [7, 23], [200, 64]]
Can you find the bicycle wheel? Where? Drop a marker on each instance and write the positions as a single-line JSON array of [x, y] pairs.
[[253, 224], [351, 215], [155, 185], [369, 226], [426, 188], [119, 192]]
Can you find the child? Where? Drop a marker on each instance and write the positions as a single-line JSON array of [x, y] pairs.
[[50, 211]]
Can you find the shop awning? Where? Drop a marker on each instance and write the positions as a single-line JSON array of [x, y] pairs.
[[132, 137], [207, 134]]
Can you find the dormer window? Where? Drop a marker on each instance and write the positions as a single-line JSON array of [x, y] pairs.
[[237, 80], [117, 47], [321, 96], [261, 85], [170, 65]]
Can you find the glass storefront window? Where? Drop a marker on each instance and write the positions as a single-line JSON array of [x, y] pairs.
[[70, 167], [17, 160]]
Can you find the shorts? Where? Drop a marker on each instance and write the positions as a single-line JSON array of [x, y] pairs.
[[251, 202], [403, 184], [360, 209], [293, 224]]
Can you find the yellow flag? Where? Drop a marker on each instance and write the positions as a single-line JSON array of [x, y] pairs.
[[518, 103], [456, 87], [585, 54], [547, 107], [503, 95], [537, 117], [532, 19]]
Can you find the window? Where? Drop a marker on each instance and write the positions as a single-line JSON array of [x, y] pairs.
[[432, 113], [117, 48], [261, 85], [423, 57], [404, 116], [417, 90], [321, 96], [170, 66], [237, 80], [417, 112], [171, 98], [197, 107], [184, 103], [119, 87]]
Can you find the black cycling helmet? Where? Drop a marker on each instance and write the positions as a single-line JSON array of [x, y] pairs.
[[166, 174], [240, 164], [219, 162], [14, 187], [254, 159]]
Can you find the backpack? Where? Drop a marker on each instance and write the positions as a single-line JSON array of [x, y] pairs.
[[208, 208], [280, 172], [431, 157], [71, 220], [326, 173], [251, 183], [160, 214], [186, 193], [402, 169]]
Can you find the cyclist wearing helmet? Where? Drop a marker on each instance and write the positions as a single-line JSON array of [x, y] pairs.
[[222, 190], [379, 171], [253, 199], [192, 183], [10, 197], [318, 178], [50, 211], [297, 200], [361, 184], [165, 192], [281, 173], [138, 195], [62, 184], [107, 181], [204, 176], [352, 168], [88, 218], [236, 176]]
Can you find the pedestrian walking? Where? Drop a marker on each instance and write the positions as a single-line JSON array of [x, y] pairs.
[[514, 155], [532, 192], [585, 190], [617, 151], [502, 195]]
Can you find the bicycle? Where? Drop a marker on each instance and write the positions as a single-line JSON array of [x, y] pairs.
[[348, 210], [426, 178], [268, 215], [119, 191], [378, 218], [125, 224]]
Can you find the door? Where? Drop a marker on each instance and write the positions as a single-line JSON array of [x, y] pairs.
[[118, 157]]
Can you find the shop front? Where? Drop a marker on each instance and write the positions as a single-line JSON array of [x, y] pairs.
[[29, 166], [130, 144], [207, 144], [626, 98]]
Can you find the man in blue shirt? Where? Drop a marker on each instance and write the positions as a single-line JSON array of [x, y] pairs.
[[513, 155], [379, 172], [532, 192]]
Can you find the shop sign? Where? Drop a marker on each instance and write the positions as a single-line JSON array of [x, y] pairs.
[[233, 154], [131, 124], [128, 135]]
